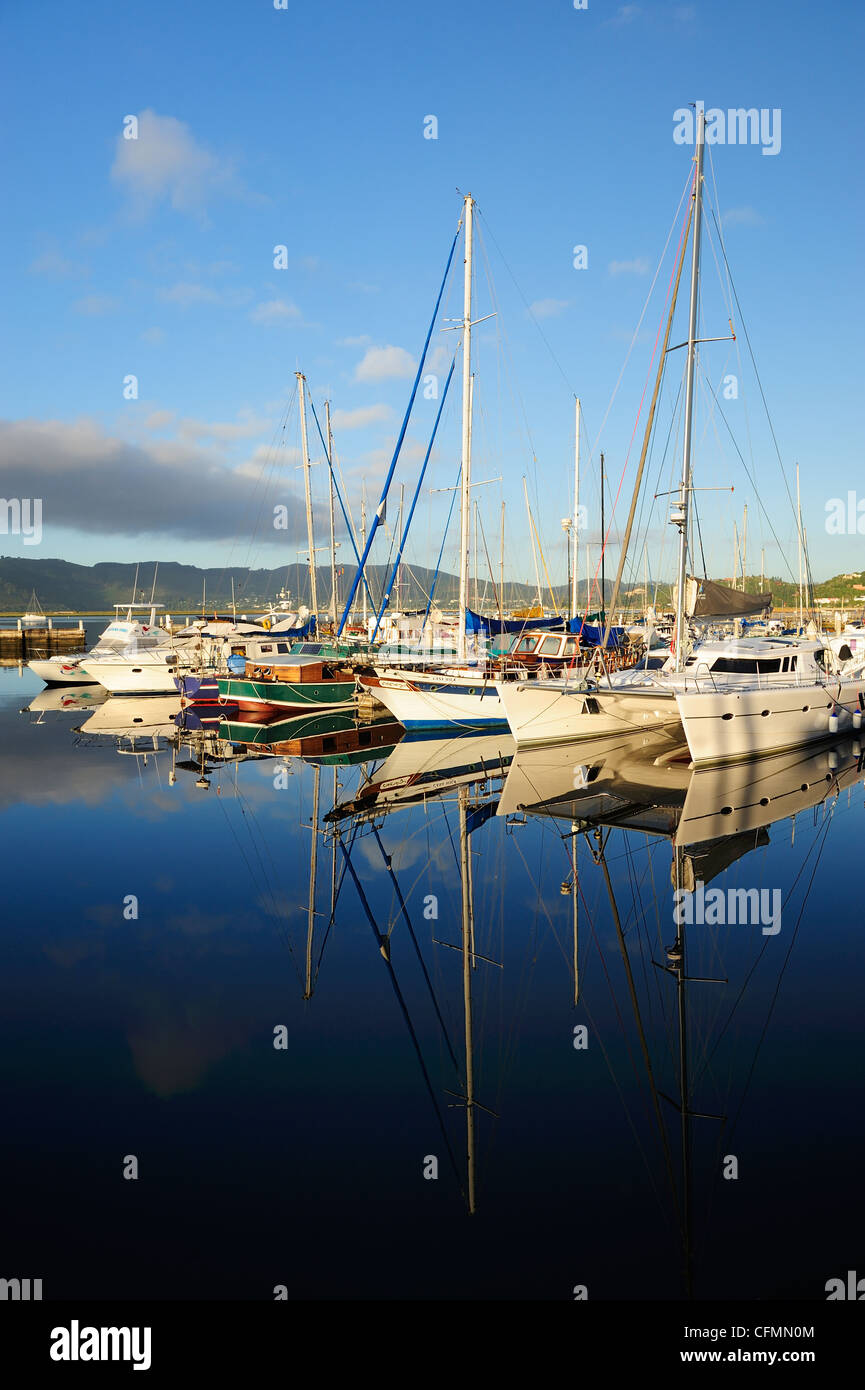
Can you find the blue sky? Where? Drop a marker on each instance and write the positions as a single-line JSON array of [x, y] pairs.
[[305, 128]]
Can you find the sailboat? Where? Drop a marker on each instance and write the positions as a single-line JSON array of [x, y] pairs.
[[733, 698], [463, 695], [35, 615]]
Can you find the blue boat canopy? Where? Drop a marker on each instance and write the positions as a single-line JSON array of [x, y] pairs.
[[494, 627], [591, 634]]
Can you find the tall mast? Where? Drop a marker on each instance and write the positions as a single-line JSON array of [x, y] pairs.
[[603, 545], [647, 435], [745, 549], [685, 493], [575, 889], [363, 543], [301, 386], [502, 569], [313, 866], [476, 559], [534, 547], [465, 492], [798, 524], [468, 965], [574, 604], [332, 532], [399, 602]]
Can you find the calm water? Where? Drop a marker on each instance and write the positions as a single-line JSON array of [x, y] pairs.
[[303, 1165]]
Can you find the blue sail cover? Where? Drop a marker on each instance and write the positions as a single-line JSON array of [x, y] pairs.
[[494, 627], [590, 634]]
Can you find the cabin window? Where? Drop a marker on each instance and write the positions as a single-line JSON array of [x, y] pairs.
[[282, 647], [748, 666], [266, 647], [526, 644], [550, 646], [570, 646]]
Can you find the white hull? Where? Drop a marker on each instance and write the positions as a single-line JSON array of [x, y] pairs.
[[433, 700], [422, 767], [59, 670], [733, 726], [133, 677], [124, 718], [732, 799], [541, 712]]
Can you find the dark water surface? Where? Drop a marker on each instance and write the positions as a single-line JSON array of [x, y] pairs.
[[303, 1165]]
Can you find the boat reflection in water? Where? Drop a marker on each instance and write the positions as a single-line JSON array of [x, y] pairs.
[[471, 768], [616, 828], [644, 786], [58, 699], [330, 736]]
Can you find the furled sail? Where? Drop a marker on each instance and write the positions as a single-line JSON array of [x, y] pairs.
[[706, 599]]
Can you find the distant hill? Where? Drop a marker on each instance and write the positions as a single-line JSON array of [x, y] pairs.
[[63, 586]]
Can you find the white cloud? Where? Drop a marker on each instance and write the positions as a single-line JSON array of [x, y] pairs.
[[266, 461], [743, 217], [639, 266], [360, 341], [94, 483], [439, 358], [94, 305], [153, 336], [625, 14], [360, 418], [548, 308], [167, 163], [186, 294], [274, 310], [54, 264], [159, 419], [382, 363], [224, 430]]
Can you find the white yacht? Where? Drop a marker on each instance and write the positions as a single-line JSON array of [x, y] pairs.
[[126, 633], [742, 704], [735, 698], [199, 647]]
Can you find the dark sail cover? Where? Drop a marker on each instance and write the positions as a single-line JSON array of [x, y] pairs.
[[706, 599]]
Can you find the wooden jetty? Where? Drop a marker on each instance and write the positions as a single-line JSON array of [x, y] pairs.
[[24, 640]]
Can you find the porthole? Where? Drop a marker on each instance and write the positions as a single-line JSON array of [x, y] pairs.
[[764, 714], [726, 810], [726, 716], [764, 801]]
